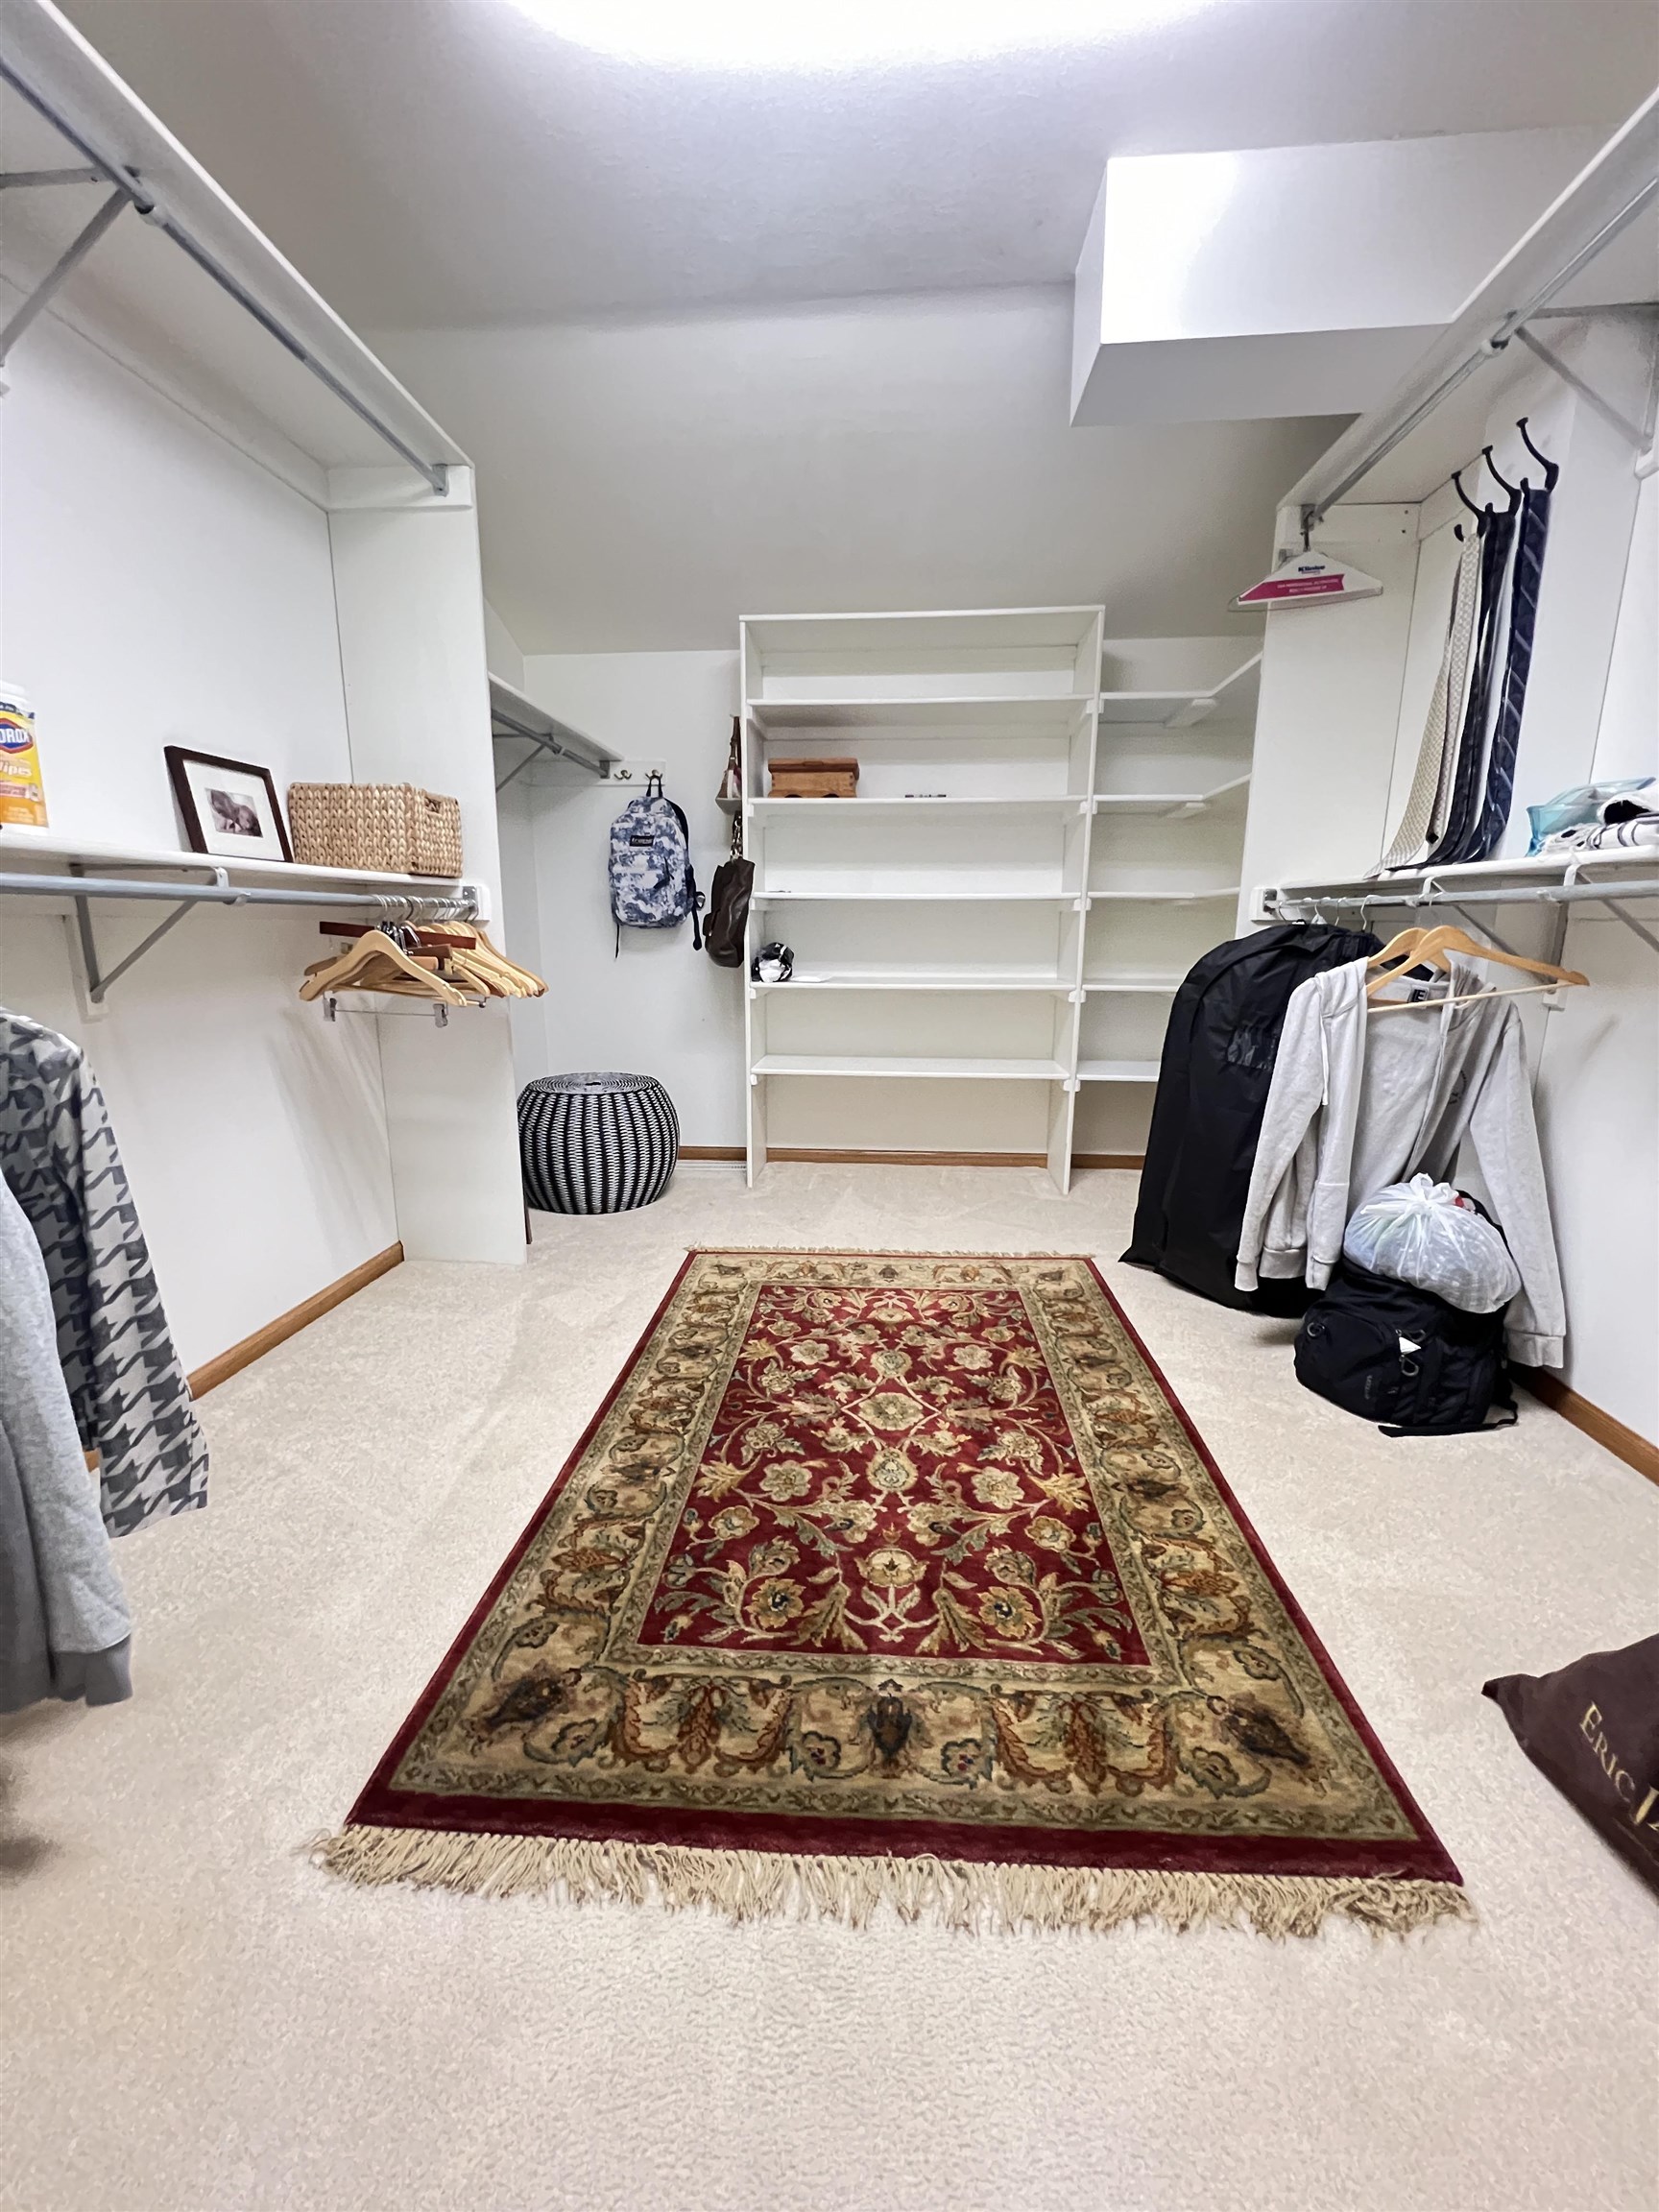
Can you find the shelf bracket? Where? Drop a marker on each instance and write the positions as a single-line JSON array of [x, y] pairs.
[[98, 981], [1592, 398], [70, 259], [16, 180], [1639, 928]]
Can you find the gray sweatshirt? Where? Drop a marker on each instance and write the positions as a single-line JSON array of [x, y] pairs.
[[64, 1628], [1356, 1104]]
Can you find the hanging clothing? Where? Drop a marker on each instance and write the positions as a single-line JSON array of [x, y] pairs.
[[131, 1402], [1468, 783], [1356, 1104], [1531, 536], [1427, 803], [1212, 1083], [64, 1629]]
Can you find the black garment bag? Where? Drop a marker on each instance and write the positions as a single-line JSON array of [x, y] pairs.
[[1219, 1054]]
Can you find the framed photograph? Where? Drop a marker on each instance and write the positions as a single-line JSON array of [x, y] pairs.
[[229, 808]]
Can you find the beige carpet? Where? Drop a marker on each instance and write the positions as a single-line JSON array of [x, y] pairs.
[[196, 2019]]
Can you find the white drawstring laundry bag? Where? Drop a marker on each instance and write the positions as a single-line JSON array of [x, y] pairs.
[[1423, 1233]]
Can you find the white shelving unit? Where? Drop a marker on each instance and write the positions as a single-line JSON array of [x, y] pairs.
[[1172, 776], [936, 919], [1030, 866]]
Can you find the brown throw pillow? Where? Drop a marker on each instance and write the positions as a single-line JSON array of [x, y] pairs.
[[1594, 1729]]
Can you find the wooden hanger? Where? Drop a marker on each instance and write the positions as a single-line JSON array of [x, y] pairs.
[[375, 963], [1396, 947], [1432, 945]]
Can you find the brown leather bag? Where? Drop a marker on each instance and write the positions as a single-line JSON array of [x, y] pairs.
[[1593, 1728], [728, 913]]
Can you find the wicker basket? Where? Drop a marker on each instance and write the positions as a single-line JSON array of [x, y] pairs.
[[395, 828]]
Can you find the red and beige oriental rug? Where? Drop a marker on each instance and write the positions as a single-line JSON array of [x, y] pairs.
[[897, 1578]]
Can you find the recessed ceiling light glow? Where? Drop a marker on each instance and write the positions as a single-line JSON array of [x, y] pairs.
[[839, 33]]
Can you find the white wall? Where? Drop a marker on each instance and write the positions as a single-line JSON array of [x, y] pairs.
[[657, 1008], [158, 587], [646, 483]]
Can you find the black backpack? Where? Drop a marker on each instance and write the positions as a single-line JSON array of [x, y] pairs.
[[1403, 1358]]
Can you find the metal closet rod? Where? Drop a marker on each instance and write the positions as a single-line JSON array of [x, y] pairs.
[[130, 184], [231, 895], [1315, 511], [1516, 895]]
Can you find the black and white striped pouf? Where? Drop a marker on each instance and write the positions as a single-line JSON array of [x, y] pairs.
[[597, 1144]]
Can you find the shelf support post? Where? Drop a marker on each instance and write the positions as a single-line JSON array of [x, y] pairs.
[[70, 259]]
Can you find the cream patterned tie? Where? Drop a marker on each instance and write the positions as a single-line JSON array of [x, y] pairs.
[[1436, 757]]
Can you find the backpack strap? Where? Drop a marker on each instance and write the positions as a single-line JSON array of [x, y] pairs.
[[696, 896]]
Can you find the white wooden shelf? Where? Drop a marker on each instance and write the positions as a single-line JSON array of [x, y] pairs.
[[1053, 985], [1161, 897], [1155, 709], [858, 1063], [513, 716], [1116, 1070], [1061, 802], [962, 709], [1174, 804], [1234, 695], [19, 844], [1069, 898], [1149, 986]]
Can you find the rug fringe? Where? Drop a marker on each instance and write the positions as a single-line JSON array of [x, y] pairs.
[[954, 1893]]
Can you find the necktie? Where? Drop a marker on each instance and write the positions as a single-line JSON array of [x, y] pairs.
[[1420, 823], [1487, 833], [1495, 540]]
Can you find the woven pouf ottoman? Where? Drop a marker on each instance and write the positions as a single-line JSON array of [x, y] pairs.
[[597, 1144]]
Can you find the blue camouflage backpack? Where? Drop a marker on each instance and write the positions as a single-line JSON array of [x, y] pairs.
[[651, 883]]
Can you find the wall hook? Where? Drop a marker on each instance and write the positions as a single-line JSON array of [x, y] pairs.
[[1552, 469], [1514, 489]]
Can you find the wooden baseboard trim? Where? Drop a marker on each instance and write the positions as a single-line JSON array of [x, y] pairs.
[[210, 1375], [858, 1158], [1623, 1443]]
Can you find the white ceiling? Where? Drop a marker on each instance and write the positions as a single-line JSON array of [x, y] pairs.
[[738, 343], [452, 163]]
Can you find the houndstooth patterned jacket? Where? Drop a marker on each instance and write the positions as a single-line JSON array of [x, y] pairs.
[[130, 1398]]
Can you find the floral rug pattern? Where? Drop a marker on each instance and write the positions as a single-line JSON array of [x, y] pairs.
[[899, 1553]]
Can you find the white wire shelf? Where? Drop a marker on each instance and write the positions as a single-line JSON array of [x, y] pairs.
[[863, 1064], [1118, 1071]]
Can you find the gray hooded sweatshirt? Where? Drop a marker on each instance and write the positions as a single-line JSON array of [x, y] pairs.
[[1356, 1104]]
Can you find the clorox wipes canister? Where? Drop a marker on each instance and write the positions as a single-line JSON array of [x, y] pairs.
[[22, 793]]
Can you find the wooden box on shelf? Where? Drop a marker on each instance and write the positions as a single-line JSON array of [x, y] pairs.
[[834, 778]]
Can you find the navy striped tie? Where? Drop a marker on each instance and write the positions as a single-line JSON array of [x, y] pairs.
[[1487, 834], [1465, 809]]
